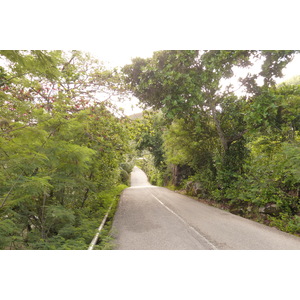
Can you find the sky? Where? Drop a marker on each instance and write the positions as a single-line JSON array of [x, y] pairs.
[[117, 58], [292, 69]]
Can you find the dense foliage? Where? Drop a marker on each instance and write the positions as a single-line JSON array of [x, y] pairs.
[[61, 148], [66, 152], [235, 145]]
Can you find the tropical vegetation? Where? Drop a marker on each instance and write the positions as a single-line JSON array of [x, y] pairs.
[[61, 149], [216, 126], [222, 130]]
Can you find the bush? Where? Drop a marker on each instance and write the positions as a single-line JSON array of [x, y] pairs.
[[9, 233], [287, 223], [128, 166], [124, 177], [58, 217]]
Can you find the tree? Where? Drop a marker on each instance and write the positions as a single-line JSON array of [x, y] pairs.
[[190, 83], [60, 148]]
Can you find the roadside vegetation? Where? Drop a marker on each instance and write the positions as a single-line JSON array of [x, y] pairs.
[[66, 151], [64, 154], [237, 151]]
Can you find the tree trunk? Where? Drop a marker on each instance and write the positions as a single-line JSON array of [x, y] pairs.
[[85, 197], [86, 192], [175, 175], [220, 132], [43, 217]]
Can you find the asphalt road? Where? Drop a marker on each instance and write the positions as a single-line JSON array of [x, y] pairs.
[[155, 218]]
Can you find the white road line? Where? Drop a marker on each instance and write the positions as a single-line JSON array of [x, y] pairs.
[[182, 220], [95, 239]]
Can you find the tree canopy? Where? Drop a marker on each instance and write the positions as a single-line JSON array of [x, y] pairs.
[[216, 126], [238, 144], [61, 148]]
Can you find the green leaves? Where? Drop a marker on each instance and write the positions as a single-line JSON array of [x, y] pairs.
[[291, 152], [58, 217], [35, 186], [9, 233], [240, 148], [60, 146]]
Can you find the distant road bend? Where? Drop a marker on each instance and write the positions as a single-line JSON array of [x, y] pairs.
[[155, 218]]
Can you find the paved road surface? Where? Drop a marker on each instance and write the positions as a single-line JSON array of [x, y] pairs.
[[154, 218]]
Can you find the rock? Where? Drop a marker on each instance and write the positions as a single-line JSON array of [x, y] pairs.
[[197, 188], [189, 186], [270, 209], [194, 188], [237, 211]]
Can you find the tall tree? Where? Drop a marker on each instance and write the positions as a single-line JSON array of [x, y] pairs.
[[192, 84], [60, 146]]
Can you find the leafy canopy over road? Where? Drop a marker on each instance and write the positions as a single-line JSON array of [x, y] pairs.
[[65, 149], [239, 151]]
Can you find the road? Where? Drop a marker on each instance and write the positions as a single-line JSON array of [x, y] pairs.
[[155, 218]]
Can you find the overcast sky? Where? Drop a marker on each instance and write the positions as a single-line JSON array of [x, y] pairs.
[[120, 57]]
